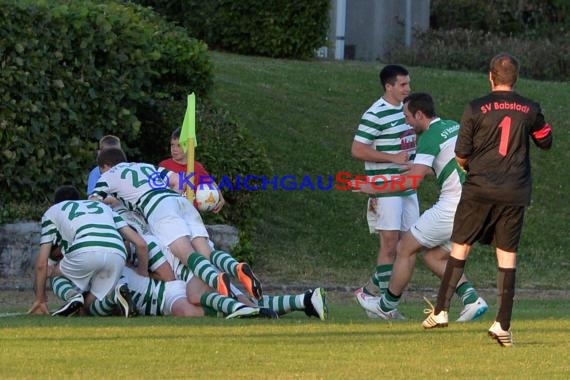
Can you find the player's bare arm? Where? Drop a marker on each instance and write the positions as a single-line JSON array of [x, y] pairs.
[[365, 152], [40, 305], [411, 180], [141, 248], [221, 202]]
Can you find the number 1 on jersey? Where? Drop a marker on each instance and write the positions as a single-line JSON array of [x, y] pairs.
[[505, 126]]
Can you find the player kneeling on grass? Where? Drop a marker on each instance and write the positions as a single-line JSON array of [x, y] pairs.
[[91, 236]]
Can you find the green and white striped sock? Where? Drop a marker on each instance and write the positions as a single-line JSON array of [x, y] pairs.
[[388, 301], [283, 304], [224, 262], [371, 288], [382, 277], [467, 293], [63, 288], [203, 269], [220, 303], [104, 307]]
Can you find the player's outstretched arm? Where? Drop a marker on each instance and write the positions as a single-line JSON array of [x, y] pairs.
[[41, 272]]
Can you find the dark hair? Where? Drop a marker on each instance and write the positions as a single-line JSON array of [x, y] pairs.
[[420, 101], [66, 193], [504, 69], [175, 134], [389, 74], [109, 141], [111, 157]]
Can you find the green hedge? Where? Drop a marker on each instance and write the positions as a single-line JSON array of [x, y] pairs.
[[465, 34], [276, 28], [529, 18], [469, 50], [73, 71]]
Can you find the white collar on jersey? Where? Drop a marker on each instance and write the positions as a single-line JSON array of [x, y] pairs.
[[434, 121]]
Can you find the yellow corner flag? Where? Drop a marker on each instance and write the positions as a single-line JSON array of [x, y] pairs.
[[188, 140]]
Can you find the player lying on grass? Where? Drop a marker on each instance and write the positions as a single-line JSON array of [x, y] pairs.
[[156, 297], [432, 232], [171, 218], [196, 284], [313, 302]]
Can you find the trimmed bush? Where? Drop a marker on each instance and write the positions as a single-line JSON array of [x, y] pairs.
[[277, 28], [530, 18], [73, 71], [470, 50], [465, 35]]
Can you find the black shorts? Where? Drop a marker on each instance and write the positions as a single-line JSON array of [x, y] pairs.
[[496, 224]]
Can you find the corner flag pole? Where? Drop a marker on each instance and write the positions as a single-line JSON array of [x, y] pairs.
[[188, 140]]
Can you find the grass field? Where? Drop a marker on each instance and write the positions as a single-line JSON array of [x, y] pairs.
[[305, 114], [348, 346]]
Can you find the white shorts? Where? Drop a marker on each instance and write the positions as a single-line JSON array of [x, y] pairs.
[[95, 271], [174, 218], [392, 213], [434, 227], [173, 291]]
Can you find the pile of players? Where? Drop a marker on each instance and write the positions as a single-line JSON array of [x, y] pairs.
[[134, 249]]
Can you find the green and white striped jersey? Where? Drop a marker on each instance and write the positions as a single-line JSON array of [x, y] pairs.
[[83, 226], [436, 149], [132, 217], [156, 256], [384, 127], [147, 294], [139, 186]]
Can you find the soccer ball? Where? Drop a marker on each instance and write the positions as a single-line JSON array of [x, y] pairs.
[[207, 197]]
